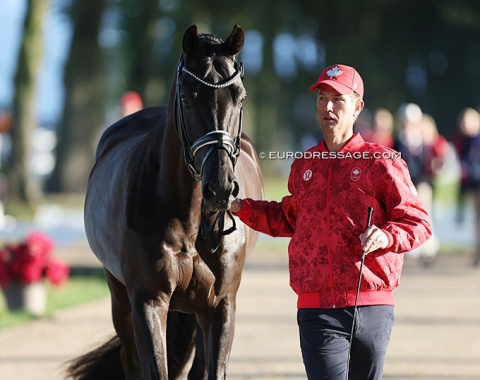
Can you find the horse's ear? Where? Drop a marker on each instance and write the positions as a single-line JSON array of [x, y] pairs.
[[235, 40], [190, 40]]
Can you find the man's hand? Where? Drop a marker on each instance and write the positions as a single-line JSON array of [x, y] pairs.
[[372, 239], [236, 206]]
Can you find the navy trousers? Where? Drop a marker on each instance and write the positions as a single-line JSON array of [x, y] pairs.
[[325, 340]]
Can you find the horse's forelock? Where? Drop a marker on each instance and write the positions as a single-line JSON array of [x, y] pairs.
[[192, 40], [208, 45], [210, 38]]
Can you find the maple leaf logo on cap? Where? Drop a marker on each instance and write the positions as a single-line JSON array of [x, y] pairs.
[[343, 79], [334, 72]]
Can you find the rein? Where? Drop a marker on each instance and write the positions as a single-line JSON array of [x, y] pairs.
[[207, 229], [213, 140]]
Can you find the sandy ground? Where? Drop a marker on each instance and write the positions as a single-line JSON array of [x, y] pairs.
[[436, 334]]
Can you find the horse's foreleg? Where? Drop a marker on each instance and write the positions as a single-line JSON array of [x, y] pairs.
[[150, 324], [218, 338], [199, 369], [181, 337], [122, 321]]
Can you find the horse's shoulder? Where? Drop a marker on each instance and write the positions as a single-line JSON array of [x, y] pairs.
[[249, 160], [249, 150], [134, 125], [247, 145]]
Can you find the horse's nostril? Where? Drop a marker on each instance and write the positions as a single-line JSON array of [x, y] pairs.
[[236, 189], [219, 197]]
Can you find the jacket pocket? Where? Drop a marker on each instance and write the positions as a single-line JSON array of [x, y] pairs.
[[383, 270]]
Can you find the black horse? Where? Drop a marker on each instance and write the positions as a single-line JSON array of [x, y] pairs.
[[156, 216]]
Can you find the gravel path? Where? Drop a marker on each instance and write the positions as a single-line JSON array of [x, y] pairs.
[[436, 334]]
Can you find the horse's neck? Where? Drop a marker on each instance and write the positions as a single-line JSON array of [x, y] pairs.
[[174, 182]]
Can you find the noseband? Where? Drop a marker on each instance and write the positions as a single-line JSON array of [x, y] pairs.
[[215, 139]]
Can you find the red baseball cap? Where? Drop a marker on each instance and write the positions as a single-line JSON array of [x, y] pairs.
[[344, 79]]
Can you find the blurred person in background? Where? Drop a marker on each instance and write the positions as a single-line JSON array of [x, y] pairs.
[[467, 145], [6, 123], [436, 152], [409, 141], [382, 128], [131, 102], [435, 147]]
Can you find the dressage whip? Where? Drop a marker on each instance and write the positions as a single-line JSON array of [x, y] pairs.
[[369, 219]]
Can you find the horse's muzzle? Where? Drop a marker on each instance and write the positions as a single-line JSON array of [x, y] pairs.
[[218, 196]]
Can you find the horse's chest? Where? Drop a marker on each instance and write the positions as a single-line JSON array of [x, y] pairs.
[[200, 282]]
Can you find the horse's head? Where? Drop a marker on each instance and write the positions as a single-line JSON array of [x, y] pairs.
[[209, 97]]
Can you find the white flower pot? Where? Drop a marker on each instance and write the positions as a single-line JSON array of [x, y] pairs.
[[29, 297]]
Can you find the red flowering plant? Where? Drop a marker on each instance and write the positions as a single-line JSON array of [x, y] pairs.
[[31, 261]]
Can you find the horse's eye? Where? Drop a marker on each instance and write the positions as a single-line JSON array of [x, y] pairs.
[[184, 100], [187, 99]]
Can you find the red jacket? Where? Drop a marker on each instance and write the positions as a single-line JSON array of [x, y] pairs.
[[327, 211]]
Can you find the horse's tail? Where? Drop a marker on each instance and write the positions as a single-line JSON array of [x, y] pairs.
[[102, 363]]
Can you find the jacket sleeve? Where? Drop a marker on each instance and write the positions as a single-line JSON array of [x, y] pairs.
[[273, 218], [408, 224]]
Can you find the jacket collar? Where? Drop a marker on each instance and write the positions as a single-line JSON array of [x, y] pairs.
[[353, 144]]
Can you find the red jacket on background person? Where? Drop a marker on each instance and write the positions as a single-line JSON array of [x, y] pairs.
[[326, 213]]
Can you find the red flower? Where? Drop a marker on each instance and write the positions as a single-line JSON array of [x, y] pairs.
[[30, 261], [57, 272], [26, 267]]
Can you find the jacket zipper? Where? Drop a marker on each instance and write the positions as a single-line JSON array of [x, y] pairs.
[[327, 206]]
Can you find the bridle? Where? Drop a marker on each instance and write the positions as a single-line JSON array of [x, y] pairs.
[[215, 139]]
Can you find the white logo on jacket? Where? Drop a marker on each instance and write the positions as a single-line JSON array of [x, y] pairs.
[[355, 174], [307, 175]]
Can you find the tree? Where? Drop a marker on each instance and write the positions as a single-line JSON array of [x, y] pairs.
[[83, 114], [139, 22], [22, 187]]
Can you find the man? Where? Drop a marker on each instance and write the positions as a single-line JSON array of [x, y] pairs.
[[332, 186]]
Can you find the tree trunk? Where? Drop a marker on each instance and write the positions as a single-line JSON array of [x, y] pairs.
[[22, 187], [83, 115], [139, 45]]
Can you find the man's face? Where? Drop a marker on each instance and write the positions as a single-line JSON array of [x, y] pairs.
[[336, 112]]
